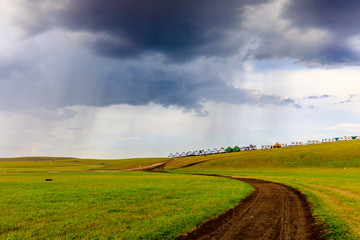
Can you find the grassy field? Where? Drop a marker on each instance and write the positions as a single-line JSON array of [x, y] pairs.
[[44, 164], [338, 154], [131, 205], [328, 174], [142, 205]]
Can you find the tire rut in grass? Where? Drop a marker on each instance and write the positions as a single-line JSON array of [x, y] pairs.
[[272, 211]]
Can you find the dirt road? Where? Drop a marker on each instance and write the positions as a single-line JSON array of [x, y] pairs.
[[272, 211]]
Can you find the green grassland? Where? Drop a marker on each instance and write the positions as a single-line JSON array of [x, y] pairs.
[[44, 164], [140, 205], [338, 154], [127, 205], [328, 174]]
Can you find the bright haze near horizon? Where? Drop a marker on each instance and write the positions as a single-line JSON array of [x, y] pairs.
[[140, 78]]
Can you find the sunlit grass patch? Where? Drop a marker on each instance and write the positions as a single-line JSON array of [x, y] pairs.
[[111, 205]]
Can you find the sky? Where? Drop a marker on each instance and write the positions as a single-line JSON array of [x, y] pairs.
[[120, 79]]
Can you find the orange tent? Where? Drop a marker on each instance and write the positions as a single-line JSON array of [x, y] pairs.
[[277, 145]]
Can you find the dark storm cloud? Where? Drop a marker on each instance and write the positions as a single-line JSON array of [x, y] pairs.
[[179, 29], [182, 30], [336, 15], [339, 18], [169, 89], [110, 83]]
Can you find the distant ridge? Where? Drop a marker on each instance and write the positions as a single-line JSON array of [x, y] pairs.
[[34, 159]]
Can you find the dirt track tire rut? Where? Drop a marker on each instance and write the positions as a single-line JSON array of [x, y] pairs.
[[272, 211]]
